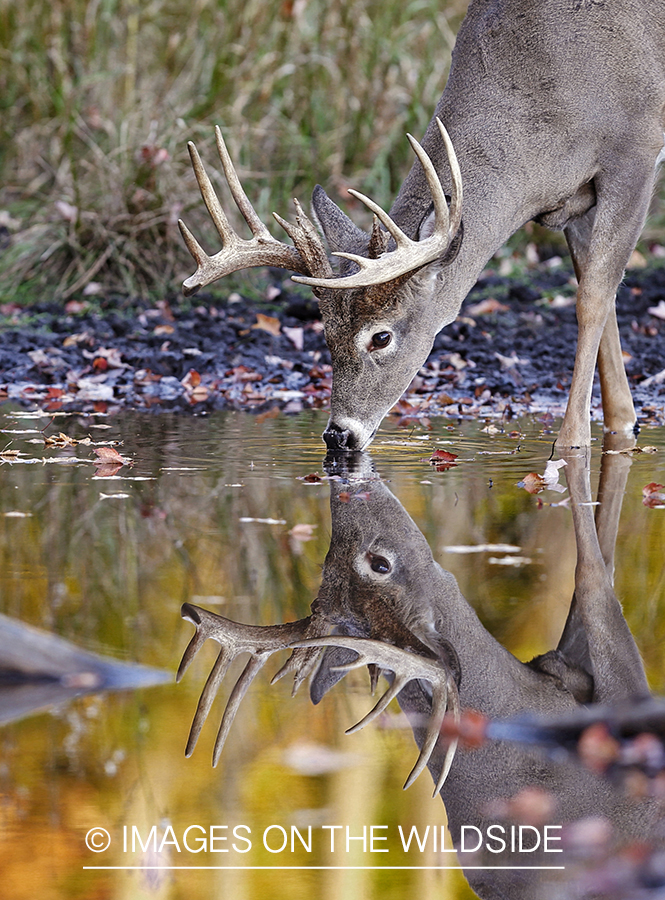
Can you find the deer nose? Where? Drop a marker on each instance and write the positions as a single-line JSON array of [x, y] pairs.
[[337, 438]]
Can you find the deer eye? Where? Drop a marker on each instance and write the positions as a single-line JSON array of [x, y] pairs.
[[379, 564], [380, 340]]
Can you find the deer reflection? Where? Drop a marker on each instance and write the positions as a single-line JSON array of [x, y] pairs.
[[393, 607]]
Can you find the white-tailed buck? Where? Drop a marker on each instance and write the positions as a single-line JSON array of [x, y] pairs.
[[392, 607], [556, 111]]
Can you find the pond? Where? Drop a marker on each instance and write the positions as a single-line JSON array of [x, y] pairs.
[[237, 514]]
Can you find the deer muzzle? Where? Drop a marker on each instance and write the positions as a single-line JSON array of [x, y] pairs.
[[347, 435]]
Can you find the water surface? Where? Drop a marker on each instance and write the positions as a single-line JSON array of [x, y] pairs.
[[232, 513]]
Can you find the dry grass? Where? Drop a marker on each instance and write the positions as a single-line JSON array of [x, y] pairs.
[[100, 96]]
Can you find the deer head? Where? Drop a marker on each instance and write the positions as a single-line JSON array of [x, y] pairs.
[[380, 314]]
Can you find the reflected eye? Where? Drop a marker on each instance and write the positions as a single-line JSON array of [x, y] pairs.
[[380, 340], [379, 564]]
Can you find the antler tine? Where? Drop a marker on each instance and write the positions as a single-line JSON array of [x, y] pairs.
[[235, 638], [209, 196], [443, 694], [456, 192], [236, 253], [207, 697], [409, 255], [407, 666], [241, 686], [453, 702], [249, 214]]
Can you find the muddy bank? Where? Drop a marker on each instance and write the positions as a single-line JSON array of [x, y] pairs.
[[512, 347]]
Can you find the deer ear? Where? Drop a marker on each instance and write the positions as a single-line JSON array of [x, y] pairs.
[[427, 228], [327, 676], [339, 230]]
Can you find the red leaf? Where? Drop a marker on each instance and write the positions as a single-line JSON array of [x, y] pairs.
[[653, 495]]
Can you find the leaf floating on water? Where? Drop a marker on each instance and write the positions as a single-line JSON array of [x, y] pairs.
[[303, 531], [109, 462], [60, 440], [109, 454], [312, 478], [443, 460], [533, 483], [549, 480], [312, 759], [263, 521], [516, 561], [653, 495], [482, 548]]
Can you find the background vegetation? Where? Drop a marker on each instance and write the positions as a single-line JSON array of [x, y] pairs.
[[99, 97]]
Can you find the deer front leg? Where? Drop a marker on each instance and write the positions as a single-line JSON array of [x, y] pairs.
[[618, 411], [600, 243], [593, 308]]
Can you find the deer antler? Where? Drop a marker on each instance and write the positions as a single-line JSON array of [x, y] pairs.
[[409, 255], [308, 256], [407, 666], [261, 641]]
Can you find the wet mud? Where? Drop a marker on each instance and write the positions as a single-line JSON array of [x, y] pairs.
[[512, 346]]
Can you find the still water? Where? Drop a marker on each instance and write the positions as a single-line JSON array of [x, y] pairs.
[[232, 513]]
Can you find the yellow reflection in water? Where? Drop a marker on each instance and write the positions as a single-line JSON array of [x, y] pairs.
[[107, 564]]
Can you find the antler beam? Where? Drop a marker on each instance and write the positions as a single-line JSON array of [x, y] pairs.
[[235, 638], [409, 255], [307, 257], [407, 667]]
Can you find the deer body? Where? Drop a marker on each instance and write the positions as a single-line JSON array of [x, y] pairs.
[[556, 111]]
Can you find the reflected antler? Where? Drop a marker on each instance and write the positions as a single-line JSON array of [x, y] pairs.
[[260, 641], [407, 667], [409, 255], [308, 256]]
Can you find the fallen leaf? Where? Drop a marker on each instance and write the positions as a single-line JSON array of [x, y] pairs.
[[653, 495], [267, 323], [533, 483], [295, 335], [312, 478], [302, 531], [109, 462], [482, 548], [485, 307], [110, 354], [549, 480], [263, 521], [191, 380], [443, 460], [60, 440], [108, 455], [658, 311]]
